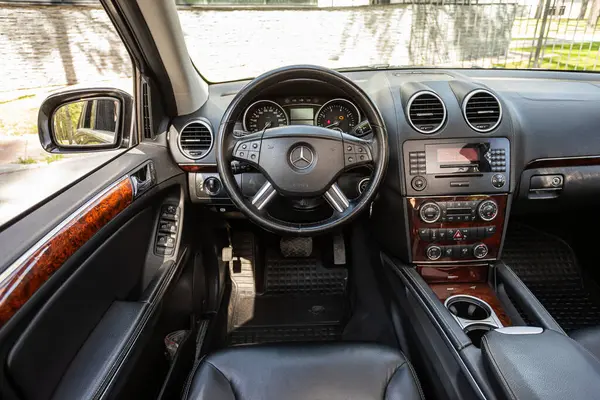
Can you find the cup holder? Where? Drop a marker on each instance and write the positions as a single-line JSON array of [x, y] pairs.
[[468, 308], [475, 332]]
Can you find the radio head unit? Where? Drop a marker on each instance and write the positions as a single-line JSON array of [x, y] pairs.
[[456, 166]]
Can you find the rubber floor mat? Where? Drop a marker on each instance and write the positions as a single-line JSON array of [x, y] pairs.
[[278, 334], [548, 266], [302, 275], [300, 299]]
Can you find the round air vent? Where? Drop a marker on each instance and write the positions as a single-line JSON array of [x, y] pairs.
[[426, 112], [482, 110], [196, 139]]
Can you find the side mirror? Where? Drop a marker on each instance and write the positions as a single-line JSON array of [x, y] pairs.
[[84, 120]]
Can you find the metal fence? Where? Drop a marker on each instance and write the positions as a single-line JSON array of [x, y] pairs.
[[547, 34]]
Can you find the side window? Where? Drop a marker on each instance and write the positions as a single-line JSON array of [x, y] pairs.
[[48, 48]]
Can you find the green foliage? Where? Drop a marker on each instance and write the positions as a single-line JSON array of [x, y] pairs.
[[54, 157], [26, 161]]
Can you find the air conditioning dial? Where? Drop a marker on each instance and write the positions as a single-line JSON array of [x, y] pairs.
[[487, 210], [430, 212], [480, 250]]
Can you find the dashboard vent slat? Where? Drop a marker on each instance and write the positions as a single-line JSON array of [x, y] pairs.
[[426, 112], [196, 140], [482, 110]]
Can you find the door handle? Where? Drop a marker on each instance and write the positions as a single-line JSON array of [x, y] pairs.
[[143, 179]]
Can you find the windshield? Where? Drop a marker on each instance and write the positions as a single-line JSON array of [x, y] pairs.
[[238, 41]]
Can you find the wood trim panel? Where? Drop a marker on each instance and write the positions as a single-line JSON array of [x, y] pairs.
[[198, 168], [22, 279], [482, 291], [454, 273], [563, 162]]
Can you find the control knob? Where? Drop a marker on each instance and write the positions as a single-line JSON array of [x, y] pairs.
[[488, 210], [480, 250], [430, 212], [212, 186], [434, 252]]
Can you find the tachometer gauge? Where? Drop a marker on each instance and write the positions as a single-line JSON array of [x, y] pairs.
[[339, 114], [264, 114]]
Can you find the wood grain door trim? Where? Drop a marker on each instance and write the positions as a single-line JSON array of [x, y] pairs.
[[20, 281]]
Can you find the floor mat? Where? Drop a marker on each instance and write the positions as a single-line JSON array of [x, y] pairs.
[[290, 299], [548, 266]]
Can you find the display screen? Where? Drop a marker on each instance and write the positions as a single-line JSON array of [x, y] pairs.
[[302, 113], [457, 155]]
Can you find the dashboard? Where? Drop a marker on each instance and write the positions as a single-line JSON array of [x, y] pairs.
[[468, 148]]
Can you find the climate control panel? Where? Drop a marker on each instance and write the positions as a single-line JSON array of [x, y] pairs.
[[458, 211], [456, 228]]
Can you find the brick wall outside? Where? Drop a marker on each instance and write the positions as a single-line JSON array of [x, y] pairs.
[[58, 45]]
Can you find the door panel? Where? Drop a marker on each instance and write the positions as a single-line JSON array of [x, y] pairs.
[[73, 267], [22, 279]]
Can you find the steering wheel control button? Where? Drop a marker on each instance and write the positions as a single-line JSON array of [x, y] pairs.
[[498, 180], [480, 250], [302, 157], [488, 210], [418, 183], [430, 212], [434, 252]]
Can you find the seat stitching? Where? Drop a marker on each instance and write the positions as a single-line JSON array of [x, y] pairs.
[[416, 379], [496, 367], [392, 377], [223, 375], [188, 385], [413, 374]]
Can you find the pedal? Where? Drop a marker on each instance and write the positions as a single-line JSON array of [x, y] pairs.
[[227, 254], [299, 247], [339, 250]]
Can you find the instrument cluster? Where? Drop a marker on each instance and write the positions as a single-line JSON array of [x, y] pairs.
[[338, 113]]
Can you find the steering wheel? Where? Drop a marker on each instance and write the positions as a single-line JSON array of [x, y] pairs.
[[301, 161]]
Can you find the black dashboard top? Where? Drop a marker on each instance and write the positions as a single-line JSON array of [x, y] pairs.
[[544, 114]]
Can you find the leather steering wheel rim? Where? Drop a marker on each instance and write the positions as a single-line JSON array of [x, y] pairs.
[[224, 153]]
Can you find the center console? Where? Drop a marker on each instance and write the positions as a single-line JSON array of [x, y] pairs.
[[457, 198]]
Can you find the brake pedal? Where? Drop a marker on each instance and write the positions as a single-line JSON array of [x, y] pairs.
[[301, 247]]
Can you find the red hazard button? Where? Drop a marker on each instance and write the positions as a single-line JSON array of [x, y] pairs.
[[457, 235]]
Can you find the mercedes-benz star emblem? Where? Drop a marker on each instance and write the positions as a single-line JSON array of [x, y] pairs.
[[302, 157]]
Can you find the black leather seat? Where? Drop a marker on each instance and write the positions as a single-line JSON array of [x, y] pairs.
[[588, 338], [308, 371]]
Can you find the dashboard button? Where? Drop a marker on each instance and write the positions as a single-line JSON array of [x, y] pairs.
[[480, 250], [424, 234], [434, 252], [418, 183]]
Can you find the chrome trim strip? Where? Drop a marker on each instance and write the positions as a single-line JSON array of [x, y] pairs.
[[47, 237], [520, 330], [264, 196], [336, 198], [212, 138], [464, 110], [410, 101]]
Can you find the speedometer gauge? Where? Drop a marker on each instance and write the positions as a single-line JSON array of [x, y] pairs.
[[264, 114], [338, 114]]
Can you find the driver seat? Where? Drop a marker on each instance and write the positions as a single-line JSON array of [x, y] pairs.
[[304, 371]]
